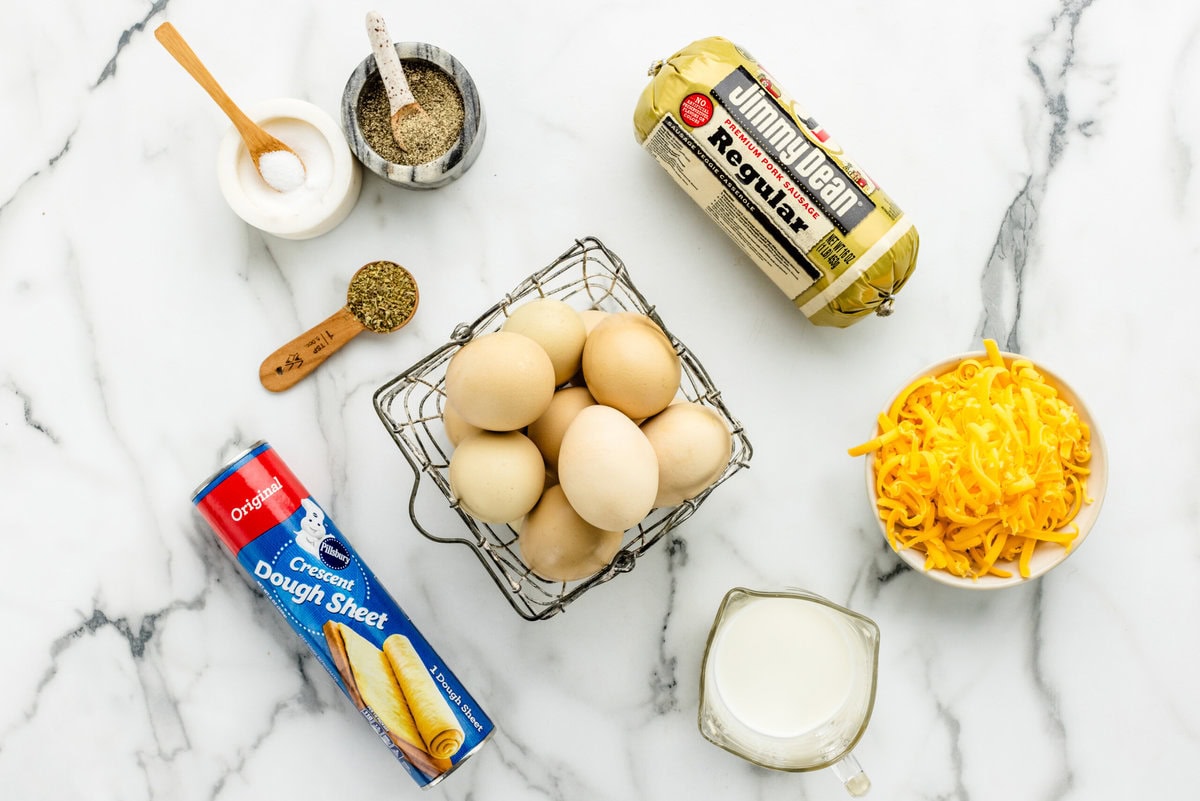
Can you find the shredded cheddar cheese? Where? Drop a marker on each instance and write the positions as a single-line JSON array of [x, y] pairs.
[[979, 465]]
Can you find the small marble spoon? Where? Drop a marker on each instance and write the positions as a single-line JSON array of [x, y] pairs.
[[285, 169], [382, 297], [403, 104]]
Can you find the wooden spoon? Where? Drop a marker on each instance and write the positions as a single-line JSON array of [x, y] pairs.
[[382, 297], [258, 141], [401, 101]]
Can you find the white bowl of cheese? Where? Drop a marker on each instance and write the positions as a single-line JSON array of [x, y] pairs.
[[985, 470]]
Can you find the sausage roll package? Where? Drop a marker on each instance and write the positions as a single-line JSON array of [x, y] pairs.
[[763, 169]]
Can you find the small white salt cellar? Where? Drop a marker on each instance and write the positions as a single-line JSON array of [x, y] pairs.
[[295, 196]]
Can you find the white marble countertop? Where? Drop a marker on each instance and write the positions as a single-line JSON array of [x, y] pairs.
[[1046, 150]]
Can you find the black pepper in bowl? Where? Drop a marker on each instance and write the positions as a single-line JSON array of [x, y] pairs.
[[429, 135]]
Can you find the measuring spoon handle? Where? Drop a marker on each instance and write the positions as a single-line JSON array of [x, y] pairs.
[[292, 362]]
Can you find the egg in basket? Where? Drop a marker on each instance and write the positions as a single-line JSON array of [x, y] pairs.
[[567, 427]]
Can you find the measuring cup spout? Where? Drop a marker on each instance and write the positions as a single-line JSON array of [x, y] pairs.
[[851, 774]]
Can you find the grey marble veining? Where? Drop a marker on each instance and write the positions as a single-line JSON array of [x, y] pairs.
[[1047, 153], [1051, 63]]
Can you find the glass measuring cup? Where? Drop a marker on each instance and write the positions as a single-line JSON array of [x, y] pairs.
[[788, 682]]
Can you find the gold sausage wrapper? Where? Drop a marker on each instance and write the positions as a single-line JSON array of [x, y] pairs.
[[773, 179]]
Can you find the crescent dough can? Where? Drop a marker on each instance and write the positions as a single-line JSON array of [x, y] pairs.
[[772, 178], [300, 559]]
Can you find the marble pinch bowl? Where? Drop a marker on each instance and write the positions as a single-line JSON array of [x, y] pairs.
[[451, 164], [1046, 556]]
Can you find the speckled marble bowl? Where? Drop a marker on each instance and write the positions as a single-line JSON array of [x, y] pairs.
[[451, 164]]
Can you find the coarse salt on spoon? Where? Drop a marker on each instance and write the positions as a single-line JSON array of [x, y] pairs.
[[277, 163], [402, 102]]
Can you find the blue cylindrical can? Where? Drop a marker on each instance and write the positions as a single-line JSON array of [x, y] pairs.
[[283, 538]]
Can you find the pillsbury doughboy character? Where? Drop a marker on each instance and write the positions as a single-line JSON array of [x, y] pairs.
[[312, 528]]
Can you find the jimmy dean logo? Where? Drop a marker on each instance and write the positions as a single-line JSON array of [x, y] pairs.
[[776, 132]]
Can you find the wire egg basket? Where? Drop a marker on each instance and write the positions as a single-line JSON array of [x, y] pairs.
[[587, 276]]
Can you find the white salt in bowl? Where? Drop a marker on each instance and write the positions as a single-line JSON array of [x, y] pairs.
[[1046, 556], [333, 177]]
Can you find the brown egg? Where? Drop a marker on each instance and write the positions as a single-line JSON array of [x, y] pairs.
[[500, 381], [607, 469], [559, 545], [591, 318], [693, 446], [457, 429], [497, 476], [630, 365], [557, 327], [547, 431]]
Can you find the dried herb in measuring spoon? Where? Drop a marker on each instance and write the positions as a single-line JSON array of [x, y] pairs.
[[382, 297]]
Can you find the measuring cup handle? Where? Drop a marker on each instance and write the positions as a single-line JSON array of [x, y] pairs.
[[851, 774], [292, 362]]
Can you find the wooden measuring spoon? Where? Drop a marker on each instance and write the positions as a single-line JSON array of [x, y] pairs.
[[382, 297], [258, 141]]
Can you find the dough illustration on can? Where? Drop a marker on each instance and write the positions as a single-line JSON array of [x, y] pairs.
[[436, 722], [395, 686]]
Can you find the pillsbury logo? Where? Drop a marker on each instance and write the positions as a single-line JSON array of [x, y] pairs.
[[333, 554], [316, 539]]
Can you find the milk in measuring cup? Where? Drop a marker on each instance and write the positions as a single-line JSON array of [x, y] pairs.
[[785, 668], [788, 682]]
